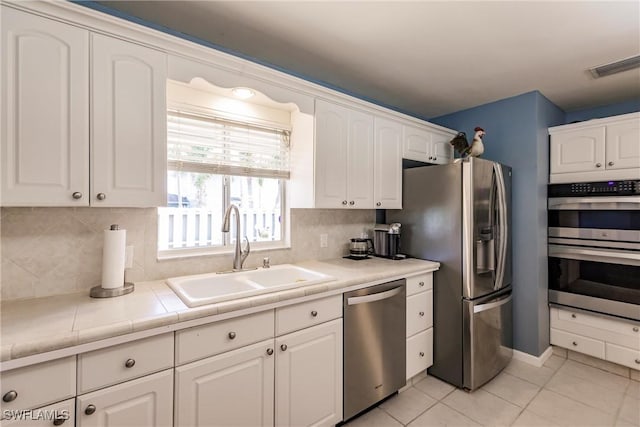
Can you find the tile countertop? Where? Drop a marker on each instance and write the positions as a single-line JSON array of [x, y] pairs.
[[35, 326]]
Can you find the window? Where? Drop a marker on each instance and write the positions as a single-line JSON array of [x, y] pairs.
[[212, 163]]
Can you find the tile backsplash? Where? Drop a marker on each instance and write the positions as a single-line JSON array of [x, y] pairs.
[[53, 251]]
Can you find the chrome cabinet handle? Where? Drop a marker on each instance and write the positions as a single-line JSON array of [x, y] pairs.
[[421, 354], [610, 163], [101, 196], [344, 202], [59, 421], [435, 158], [575, 344], [232, 335], [269, 351], [379, 204], [129, 363], [77, 195], [90, 409], [421, 314], [421, 284], [10, 396], [637, 361], [573, 316], [283, 347], [635, 329], [598, 165], [351, 203], [314, 313]]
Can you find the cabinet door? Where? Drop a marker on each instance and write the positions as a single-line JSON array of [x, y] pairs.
[[441, 149], [128, 100], [332, 134], [582, 150], [231, 389], [45, 112], [59, 414], [360, 161], [387, 193], [416, 144], [623, 145], [146, 401], [309, 376]]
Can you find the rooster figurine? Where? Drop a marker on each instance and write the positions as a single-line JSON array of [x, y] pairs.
[[461, 145]]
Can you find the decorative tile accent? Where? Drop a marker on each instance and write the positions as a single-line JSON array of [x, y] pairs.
[[56, 251]]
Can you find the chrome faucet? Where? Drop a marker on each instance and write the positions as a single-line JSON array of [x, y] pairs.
[[239, 255]]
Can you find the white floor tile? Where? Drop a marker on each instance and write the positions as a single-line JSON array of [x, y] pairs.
[[512, 389], [529, 372], [554, 362], [531, 419], [434, 387], [376, 418], [602, 378], [586, 391], [634, 389], [630, 410], [406, 406], [483, 407], [599, 363], [568, 412], [442, 415]]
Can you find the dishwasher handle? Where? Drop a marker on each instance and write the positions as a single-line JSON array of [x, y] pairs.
[[374, 297]]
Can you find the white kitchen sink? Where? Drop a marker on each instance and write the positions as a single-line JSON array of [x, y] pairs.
[[210, 288]]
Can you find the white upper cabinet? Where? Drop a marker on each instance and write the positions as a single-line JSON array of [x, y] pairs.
[[387, 189], [129, 116], [45, 112], [343, 157], [68, 140], [427, 145], [596, 150]]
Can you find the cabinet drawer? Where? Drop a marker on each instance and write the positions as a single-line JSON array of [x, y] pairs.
[[419, 312], [38, 385], [419, 283], [215, 338], [616, 331], [419, 352], [123, 362], [577, 343], [623, 356], [300, 316], [65, 410]]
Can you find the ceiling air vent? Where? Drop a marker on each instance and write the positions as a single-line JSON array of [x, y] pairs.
[[615, 67]]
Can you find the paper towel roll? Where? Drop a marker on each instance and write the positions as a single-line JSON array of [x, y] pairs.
[[113, 257]]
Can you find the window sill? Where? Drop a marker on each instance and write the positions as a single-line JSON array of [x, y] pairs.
[[256, 247]]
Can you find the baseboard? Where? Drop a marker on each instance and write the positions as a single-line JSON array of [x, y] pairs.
[[537, 361]]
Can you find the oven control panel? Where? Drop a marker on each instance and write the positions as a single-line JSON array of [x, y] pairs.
[[602, 188]]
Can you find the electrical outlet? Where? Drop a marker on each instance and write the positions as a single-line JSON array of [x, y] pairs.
[[324, 240], [128, 257]]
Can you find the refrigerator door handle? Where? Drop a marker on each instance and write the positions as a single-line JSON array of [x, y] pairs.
[[492, 305], [502, 226]]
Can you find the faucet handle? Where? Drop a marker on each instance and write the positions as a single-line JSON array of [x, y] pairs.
[[245, 252], [265, 262]]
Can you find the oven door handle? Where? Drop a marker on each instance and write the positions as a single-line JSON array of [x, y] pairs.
[[595, 203], [611, 256]]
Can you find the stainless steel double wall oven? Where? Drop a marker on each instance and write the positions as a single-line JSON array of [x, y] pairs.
[[594, 247]]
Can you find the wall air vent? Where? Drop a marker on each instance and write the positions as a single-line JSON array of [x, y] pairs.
[[615, 67]]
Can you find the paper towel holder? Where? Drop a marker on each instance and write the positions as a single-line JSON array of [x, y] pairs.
[[100, 292]]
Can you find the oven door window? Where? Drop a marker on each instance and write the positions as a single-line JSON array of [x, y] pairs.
[[596, 279]]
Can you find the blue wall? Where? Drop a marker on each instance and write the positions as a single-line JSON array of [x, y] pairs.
[[517, 136], [604, 111]]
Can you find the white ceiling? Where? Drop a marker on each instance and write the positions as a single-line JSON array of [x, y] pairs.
[[424, 57]]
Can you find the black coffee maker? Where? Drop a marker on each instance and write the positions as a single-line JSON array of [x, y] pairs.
[[386, 240]]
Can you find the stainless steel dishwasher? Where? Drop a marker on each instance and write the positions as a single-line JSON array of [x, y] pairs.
[[374, 345]]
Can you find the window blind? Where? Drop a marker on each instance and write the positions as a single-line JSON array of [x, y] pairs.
[[220, 146]]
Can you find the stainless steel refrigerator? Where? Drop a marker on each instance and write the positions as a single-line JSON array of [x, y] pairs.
[[460, 215]]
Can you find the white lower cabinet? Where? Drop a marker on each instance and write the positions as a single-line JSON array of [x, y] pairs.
[[146, 401], [59, 414], [309, 376], [234, 388], [419, 329]]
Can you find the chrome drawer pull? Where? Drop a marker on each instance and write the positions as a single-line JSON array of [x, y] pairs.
[[575, 343], [421, 314], [421, 284], [232, 335], [314, 313], [421, 354], [638, 361], [283, 347], [269, 351], [59, 421], [129, 363], [635, 329], [10, 396], [90, 409], [573, 316]]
